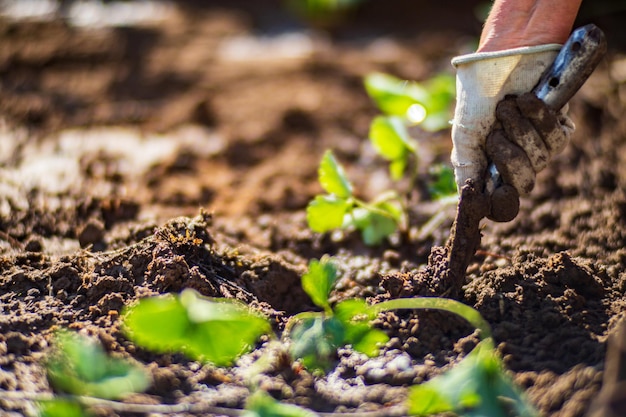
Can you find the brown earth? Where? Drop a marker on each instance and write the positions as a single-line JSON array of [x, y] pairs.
[[216, 113]]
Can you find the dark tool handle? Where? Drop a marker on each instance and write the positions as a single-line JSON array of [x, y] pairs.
[[572, 66]]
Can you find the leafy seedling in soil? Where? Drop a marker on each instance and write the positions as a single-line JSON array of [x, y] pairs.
[[426, 104], [205, 329], [404, 104], [391, 140], [261, 404], [478, 386], [317, 336], [339, 208], [79, 366]]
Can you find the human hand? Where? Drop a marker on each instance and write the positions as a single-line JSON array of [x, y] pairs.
[[492, 91], [527, 137]]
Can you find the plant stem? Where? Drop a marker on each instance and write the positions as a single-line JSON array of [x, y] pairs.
[[373, 209], [434, 303]]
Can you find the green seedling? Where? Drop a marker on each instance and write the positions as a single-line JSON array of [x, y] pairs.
[[261, 404], [317, 336], [406, 103], [61, 408], [205, 329], [391, 140], [79, 366], [478, 386], [339, 208], [426, 104]]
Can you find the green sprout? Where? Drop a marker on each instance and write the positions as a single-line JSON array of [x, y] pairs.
[[478, 386], [79, 366], [261, 404], [426, 104], [406, 103], [317, 336], [339, 208], [57, 407], [212, 330], [391, 140]]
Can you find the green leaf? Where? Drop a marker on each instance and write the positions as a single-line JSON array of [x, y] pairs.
[[158, 323], [392, 95], [60, 408], [376, 225], [214, 330], [354, 309], [397, 168], [326, 212], [390, 137], [443, 184], [355, 315], [364, 338], [80, 366], [478, 386], [433, 98], [332, 177], [315, 341], [261, 404], [319, 280]]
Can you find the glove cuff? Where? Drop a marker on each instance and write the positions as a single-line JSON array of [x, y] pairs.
[[524, 50]]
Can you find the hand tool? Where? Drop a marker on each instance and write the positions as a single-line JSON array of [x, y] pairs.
[[575, 62]]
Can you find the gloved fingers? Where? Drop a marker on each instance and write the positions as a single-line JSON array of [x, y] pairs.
[[521, 131], [504, 204], [511, 160], [554, 130]]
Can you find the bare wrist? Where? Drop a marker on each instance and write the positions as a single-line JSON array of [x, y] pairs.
[[517, 23]]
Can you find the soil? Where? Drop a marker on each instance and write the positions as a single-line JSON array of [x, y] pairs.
[[119, 143]]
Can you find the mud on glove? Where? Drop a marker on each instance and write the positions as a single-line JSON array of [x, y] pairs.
[[528, 134]]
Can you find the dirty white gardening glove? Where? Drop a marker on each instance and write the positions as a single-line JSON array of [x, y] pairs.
[[529, 134]]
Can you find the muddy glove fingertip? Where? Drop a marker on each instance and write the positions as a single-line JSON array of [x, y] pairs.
[[504, 204]]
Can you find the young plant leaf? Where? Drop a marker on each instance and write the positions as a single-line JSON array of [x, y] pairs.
[[319, 280], [363, 338], [355, 315], [354, 309], [315, 341], [392, 95], [390, 137], [478, 386], [332, 177], [261, 404], [327, 212], [377, 222], [428, 104], [61, 408], [80, 366], [391, 140], [214, 330]]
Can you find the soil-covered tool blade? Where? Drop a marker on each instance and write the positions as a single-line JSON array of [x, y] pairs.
[[573, 65]]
